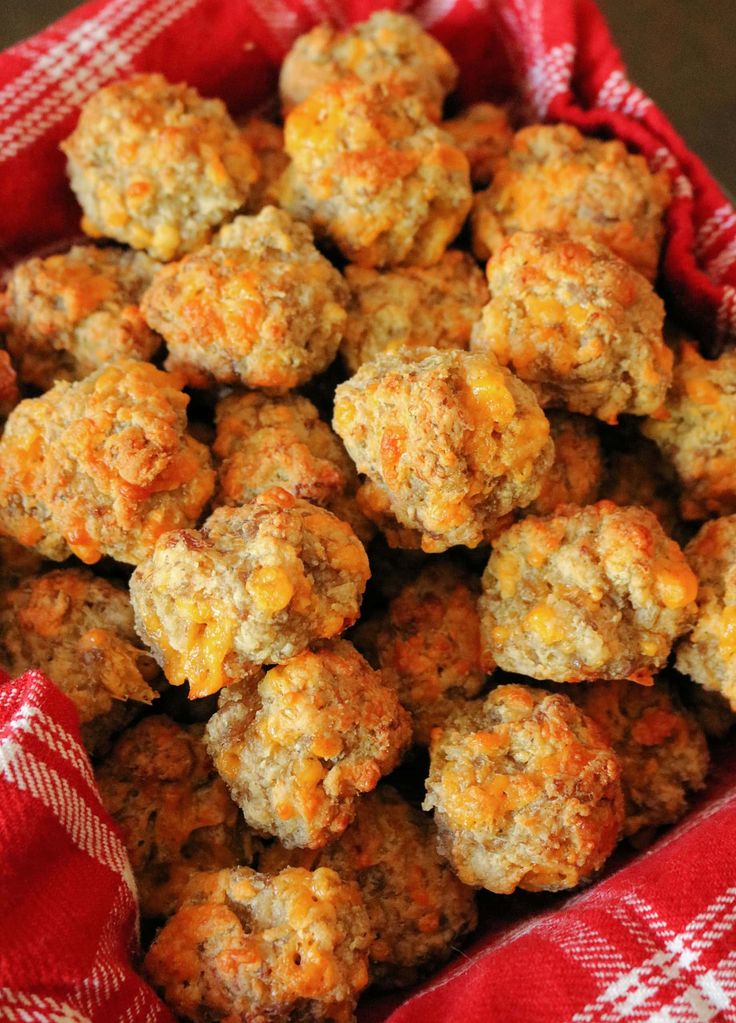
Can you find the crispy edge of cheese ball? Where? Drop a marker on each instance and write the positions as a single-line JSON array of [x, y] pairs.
[[259, 307], [577, 324], [412, 307], [247, 946], [157, 166], [556, 179], [370, 172], [76, 311], [576, 474], [267, 142], [484, 134], [102, 466], [525, 790], [661, 747], [256, 585], [590, 593], [453, 440], [297, 750], [417, 908], [177, 818]]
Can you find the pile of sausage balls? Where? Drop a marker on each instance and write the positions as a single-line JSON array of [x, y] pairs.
[[382, 511]]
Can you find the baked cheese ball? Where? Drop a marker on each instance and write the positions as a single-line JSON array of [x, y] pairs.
[[159, 786], [525, 790], [298, 749], [590, 593], [452, 441], [102, 466], [636, 473], [77, 311], [697, 436], [371, 173], [576, 474], [78, 629], [660, 746], [578, 325], [246, 946], [412, 307], [388, 46], [157, 166], [418, 910], [267, 142], [555, 179], [256, 585], [484, 134]]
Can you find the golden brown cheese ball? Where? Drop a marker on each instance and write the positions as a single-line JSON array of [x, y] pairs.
[[78, 629], [556, 179], [453, 441], [77, 311], [256, 585], [412, 307], [298, 749], [661, 748], [370, 172], [484, 134], [157, 166], [102, 466], [259, 307], [388, 46], [177, 818], [636, 474], [590, 593], [267, 142], [578, 325], [577, 471], [525, 790], [418, 910], [697, 436], [246, 946]]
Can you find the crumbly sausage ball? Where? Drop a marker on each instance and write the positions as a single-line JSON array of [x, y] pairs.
[[78, 629], [259, 307], [453, 440], [297, 750], [556, 179], [267, 142], [418, 910], [412, 307], [526, 792], [246, 946], [577, 471], [256, 585], [484, 134], [156, 166], [78, 311], [177, 818], [388, 46], [636, 474], [591, 593], [661, 748], [697, 434], [102, 466], [578, 325], [369, 171]]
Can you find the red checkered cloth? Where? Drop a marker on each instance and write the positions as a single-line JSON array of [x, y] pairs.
[[653, 942]]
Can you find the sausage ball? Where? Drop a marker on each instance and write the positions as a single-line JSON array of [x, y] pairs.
[[452, 440], [577, 471], [78, 629], [370, 172], [78, 311], [525, 790], [256, 585], [555, 179], [246, 946], [412, 307], [636, 474], [578, 325], [388, 46], [259, 307], [484, 134], [590, 593], [102, 466], [267, 142], [661, 748], [297, 750], [177, 818], [418, 910], [157, 166], [697, 435]]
